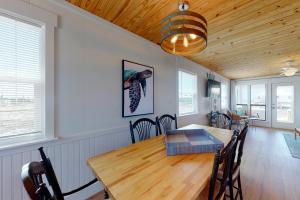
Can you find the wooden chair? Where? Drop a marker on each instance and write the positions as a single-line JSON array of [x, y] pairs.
[[213, 117], [35, 173], [224, 121], [220, 120], [143, 128], [235, 175], [223, 162], [165, 121]]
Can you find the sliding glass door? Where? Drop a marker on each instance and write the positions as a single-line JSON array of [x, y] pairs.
[[242, 98], [258, 101], [283, 105], [251, 100]]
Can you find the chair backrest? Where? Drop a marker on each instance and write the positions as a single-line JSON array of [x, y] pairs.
[[35, 175], [220, 120], [224, 121], [213, 116], [165, 122], [143, 128], [226, 158], [241, 140]]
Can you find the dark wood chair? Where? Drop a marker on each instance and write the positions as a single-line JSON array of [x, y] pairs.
[[235, 175], [143, 128], [37, 176], [220, 120], [224, 121], [165, 122], [213, 116], [220, 173]]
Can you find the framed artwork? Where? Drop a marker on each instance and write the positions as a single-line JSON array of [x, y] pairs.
[[137, 89]]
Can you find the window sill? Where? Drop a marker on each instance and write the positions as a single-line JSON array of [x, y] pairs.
[[23, 141], [188, 114]]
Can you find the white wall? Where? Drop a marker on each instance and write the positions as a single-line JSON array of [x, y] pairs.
[[269, 81], [89, 52], [88, 55]]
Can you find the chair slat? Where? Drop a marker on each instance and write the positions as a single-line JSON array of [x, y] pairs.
[[166, 121], [143, 128]]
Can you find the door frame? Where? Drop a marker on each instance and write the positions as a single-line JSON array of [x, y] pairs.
[[274, 122]]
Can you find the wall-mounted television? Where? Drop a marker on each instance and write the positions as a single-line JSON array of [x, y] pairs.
[[213, 88]]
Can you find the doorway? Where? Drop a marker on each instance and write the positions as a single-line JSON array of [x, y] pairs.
[[283, 105]]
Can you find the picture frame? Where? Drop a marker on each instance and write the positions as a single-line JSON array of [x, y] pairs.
[[137, 89]]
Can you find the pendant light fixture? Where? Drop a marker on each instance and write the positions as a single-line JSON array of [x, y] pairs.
[[183, 32], [289, 70]]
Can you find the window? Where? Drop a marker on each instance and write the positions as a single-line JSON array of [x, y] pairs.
[[20, 78], [258, 101], [187, 86], [241, 94], [26, 74]]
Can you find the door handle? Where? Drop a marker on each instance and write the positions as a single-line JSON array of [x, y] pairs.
[[273, 106]]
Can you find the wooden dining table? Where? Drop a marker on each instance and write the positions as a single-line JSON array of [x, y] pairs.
[[143, 170]]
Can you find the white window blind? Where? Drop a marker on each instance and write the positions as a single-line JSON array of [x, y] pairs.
[[224, 97], [20, 77]]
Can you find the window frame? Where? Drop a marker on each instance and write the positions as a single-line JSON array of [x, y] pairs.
[[243, 104], [28, 13], [223, 99], [258, 106], [196, 91], [249, 96]]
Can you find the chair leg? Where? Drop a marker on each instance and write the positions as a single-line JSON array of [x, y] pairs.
[[240, 186], [106, 196], [230, 184]]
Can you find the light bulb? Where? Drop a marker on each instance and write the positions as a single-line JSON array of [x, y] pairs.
[[174, 39], [185, 42], [193, 36]]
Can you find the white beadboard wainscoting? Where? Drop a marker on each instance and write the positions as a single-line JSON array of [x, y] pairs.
[[69, 159]]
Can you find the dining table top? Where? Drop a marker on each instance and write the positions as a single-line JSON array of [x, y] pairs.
[[144, 171]]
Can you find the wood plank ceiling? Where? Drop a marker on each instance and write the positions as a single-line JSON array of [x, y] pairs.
[[246, 38]]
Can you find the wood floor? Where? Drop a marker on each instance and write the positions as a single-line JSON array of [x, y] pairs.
[[269, 172]]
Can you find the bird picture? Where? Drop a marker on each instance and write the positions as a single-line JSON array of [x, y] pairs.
[[137, 89], [134, 81]]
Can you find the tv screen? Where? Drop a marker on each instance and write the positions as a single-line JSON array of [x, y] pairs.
[[213, 88]]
